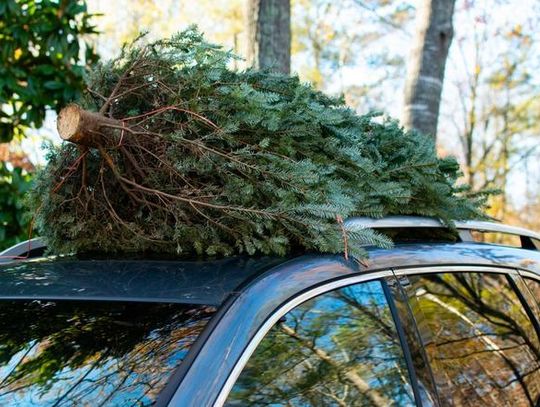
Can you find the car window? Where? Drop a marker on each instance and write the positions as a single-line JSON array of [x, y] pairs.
[[340, 348], [66, 353], [534, 287], [482, 345]]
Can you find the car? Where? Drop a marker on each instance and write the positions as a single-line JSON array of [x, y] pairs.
[[443, 318]]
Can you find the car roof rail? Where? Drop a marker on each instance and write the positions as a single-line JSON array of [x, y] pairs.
[[528, 238], [24, 250]]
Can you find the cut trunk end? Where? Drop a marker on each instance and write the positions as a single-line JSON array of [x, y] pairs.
[[86, 128]]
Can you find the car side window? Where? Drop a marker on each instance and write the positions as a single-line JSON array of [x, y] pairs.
[[481, 343], [340, 348], [534, 287]]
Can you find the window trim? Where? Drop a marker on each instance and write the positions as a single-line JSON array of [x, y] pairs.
[[407, 271], [280, 312], [407, 317], [529, 274]]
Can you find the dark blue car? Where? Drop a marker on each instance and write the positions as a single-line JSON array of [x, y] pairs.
[[442, 319]]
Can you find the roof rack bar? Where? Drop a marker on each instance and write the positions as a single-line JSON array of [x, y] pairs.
[[424, 222], [493, 227]]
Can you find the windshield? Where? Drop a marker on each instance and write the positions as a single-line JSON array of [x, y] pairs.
[[55, 353]]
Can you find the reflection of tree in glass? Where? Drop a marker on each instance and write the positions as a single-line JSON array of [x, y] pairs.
[[69, 353], [485, 349], [339, 349], [534, 288]]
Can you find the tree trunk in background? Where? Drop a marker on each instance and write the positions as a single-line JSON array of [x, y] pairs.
[[269, 34], [425, 75]]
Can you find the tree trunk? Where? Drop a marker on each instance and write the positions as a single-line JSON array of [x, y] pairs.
[[269, 31], [425, 76], [84, 127]]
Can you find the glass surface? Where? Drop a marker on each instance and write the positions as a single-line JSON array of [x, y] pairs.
[[481, 343], [424, 378], [338, 349], [65, 353], [534, 287]]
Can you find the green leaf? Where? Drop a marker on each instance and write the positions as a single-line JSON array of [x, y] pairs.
[[53, 85]]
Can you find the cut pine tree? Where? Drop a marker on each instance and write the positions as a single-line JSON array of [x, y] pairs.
[[173, 152]]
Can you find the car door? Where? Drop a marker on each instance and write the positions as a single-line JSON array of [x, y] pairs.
[[478, 332]]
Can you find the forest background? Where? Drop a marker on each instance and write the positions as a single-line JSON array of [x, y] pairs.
[[481, 86]]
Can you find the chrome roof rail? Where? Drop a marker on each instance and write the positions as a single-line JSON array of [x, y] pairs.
[[494, 227], [22, 249], [424, 222]]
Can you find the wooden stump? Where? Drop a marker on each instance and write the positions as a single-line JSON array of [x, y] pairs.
[[86, 128]]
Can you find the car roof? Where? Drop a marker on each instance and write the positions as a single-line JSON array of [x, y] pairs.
[[189, 282], [211, 282]]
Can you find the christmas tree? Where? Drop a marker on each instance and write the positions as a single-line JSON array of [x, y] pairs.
[[171, 151]]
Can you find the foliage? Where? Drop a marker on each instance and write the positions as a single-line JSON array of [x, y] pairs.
[[326, 53], [205, 160], [14, 217], [500, 109], [41, 62]]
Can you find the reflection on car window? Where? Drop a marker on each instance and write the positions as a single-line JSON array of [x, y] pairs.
[[534, 287], [338, 349], [483, 347], [65, 353]]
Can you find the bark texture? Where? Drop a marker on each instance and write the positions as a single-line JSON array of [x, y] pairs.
[[425, 77], [269, 31]]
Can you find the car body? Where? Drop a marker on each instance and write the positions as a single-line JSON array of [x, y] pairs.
[[428, 322]]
